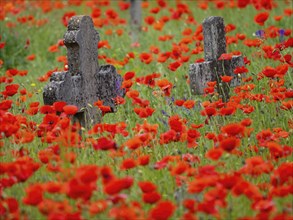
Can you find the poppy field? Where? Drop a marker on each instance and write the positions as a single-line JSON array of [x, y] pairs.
[[166, 153]]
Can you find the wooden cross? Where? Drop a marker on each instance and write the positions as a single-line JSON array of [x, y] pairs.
[[85, 82], [211, 70]]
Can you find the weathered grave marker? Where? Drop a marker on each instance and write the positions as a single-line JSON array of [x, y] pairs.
[[211, 70], [135, 20], [85, 82]]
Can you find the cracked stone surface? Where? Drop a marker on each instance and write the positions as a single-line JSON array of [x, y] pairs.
[[85, 82], [211, 70]]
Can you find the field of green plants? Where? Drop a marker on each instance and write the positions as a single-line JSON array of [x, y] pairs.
[[166, 153]]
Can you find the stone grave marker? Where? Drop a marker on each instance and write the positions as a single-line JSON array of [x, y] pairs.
[[211, 70], [135, 20], [85, 82]]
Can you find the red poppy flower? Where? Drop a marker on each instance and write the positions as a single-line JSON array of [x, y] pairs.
[[286, 105], [180, 168], [117, 185], [132, 94], [225, 56], [148, 80], [107, 174], [70, 109], [200, 60], [162, 3], [240, 70], [276, 150], [126, 84], [189, 104], [282, 174], [155, 10], [11, 204], [66, 17], [104, 44], [226, 79], [128, 164], [49, 121], [5, 105], [47, 109], [246, 122], [31, 57], [34, 195], [11, 72], [193, 133], [144, 112], [53, 48], [163, 210], [105, 109], [129, 75], [87, 174], [23, 92], [111, 13], [179, 102], [144, 160], [230, 27], [119, 100], [123, 5], [104, 143], [141, 102], [158, 25], [149, 20], [154, 49], [147, 187], [256, 166], [32, 111], [209, 90], [264, 205], [214, 153], [151, 197], [165, 86], [288, 11], [10, 90], [176, 123], [133, 143], [247, 109], [187, 31], [269, 72], [98, 207], [209, 111], [260, 18], [96, 12], [243, 3], [53, 187], [229, 144], [174, 66], [58, 106], [227, 110], [233, 129], [241, 36], [203, 5], [77, 189], [146, 58], [162, 57], [220, 4], [2, 45]]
